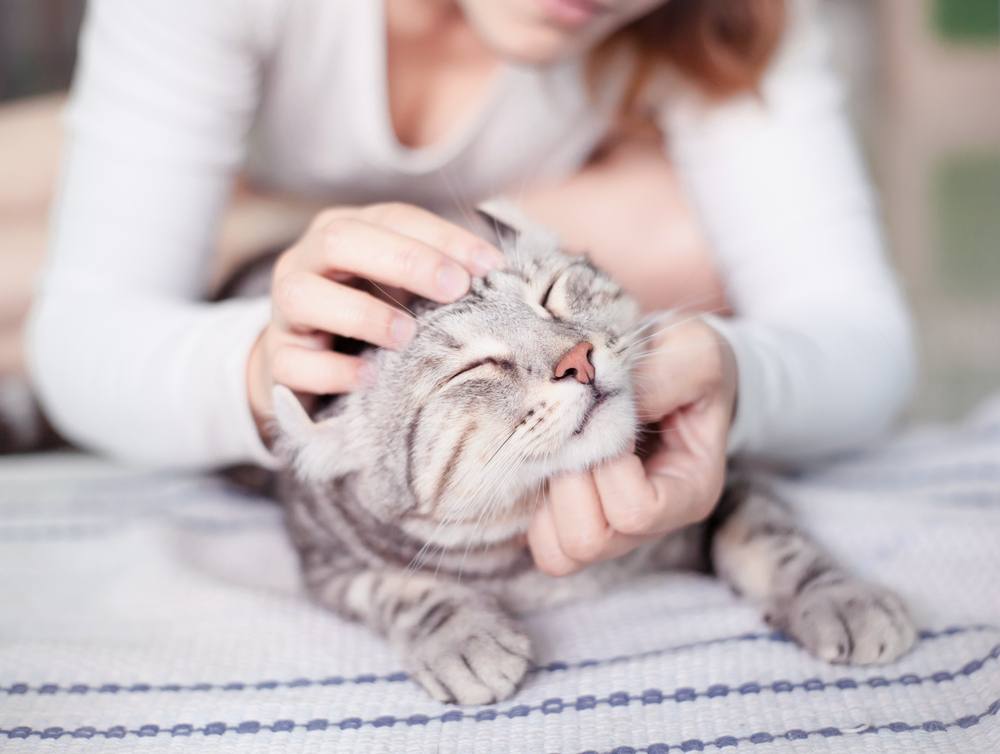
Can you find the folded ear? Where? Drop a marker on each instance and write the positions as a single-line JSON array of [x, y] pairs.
[[316, 450], [292, 420], [498, 225], [516, 233]]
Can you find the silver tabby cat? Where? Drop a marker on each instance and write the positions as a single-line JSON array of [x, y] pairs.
[[408, 501]]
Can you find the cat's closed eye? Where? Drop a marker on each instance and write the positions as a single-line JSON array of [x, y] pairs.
[[555, 300], [548, 292], [505, 365]]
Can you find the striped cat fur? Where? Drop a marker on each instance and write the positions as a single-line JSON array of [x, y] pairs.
[[408, 501]]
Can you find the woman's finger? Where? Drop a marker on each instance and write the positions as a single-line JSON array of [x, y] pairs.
[[305, 301], [581, 527], [633, 504], [317, 372], [676, 489], [544, 544], [347, 244], [466, 248]]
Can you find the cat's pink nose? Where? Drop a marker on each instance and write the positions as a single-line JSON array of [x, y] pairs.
[[575, 363]]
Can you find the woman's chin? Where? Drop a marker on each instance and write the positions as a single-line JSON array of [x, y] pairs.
[[534, 44]]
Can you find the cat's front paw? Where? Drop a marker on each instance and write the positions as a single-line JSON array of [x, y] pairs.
[[467, 654], [848, 621]]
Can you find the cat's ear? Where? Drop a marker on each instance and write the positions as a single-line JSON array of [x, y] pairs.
[[498, 228], [517, 234], [291, 419], [318, 450]]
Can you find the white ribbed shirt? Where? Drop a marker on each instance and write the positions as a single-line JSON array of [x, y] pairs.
[[171, 99]]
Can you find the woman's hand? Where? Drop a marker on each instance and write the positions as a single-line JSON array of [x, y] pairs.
[[688, 388], [395, 245]]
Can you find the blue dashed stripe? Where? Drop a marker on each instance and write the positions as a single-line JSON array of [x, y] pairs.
[[798, 734], [556, 666], [370, 678], [553, 706]]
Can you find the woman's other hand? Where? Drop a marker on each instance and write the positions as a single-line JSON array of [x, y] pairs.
[[395, 245], [687, 387]]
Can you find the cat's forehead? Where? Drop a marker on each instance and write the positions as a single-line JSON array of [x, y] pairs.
[[541, 298], [536, 268]]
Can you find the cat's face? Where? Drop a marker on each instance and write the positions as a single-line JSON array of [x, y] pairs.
[[525, 377]]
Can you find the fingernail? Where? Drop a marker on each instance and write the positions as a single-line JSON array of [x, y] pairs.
[[402, 330], [452, 281], [485, 259]]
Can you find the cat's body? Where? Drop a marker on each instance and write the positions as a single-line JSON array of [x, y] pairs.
[[409, 501]]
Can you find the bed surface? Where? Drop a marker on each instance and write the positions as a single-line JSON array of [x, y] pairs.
[[149, 612]]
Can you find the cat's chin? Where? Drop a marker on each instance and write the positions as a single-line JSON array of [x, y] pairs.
[[609, 433]]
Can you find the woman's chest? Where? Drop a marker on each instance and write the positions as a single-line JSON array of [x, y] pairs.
[[347, 151], [348, 122]]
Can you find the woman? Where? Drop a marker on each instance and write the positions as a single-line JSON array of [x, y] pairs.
[[374, 107]]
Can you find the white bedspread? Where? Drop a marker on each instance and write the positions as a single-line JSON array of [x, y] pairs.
[[149, 613]]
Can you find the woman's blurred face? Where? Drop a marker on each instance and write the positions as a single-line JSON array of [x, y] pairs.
[[543, 31]]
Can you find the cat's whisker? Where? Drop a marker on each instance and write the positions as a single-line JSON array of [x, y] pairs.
[[650, 431], [675, 316], [494, 455], [489, 509], [474, 498], [672, 349], [666, 328], [491, 505], [647, 321], [693, 303], [641, 379], [452, 517], [408, 310], [456, 196], [512, 250]]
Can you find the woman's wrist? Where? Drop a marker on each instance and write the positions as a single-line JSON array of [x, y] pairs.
[[731, 333], [693, 362], [258, 394]]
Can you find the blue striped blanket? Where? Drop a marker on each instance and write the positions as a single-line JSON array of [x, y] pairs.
[[144, 612]]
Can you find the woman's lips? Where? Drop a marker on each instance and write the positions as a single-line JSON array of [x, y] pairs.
[[572, 12]]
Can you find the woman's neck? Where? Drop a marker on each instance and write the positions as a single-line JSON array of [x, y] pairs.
[[437, 68], [424, 20]]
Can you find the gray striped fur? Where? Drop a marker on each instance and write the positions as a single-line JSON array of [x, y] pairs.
[[408, 501]]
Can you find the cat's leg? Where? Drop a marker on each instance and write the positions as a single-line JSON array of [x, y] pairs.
[[457, 643], [759, 550]]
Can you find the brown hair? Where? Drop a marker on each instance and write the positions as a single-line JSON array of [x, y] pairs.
[[722, 46]]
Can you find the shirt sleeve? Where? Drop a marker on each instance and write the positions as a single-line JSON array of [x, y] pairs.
[[821, 335], [125, 356]]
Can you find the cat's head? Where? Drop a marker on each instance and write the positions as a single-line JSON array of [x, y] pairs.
[[525, 377]]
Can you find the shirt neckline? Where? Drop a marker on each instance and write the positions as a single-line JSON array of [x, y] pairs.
[[385, 141]]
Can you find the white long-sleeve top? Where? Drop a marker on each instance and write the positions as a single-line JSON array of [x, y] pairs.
[[173, 97]]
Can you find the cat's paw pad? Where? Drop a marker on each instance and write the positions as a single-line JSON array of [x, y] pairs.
[[475, 656], [849, 622]]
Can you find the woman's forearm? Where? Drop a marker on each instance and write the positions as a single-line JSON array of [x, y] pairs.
[[30, 146], [147, 380], [822, 336]]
